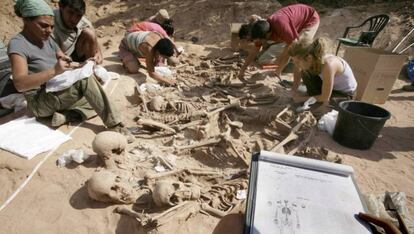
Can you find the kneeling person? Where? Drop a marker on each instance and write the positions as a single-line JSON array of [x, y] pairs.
[[149, 45], [325, 76], [74, 33]]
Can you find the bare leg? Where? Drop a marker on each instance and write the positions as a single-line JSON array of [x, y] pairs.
[[129, 60], [131, 66]]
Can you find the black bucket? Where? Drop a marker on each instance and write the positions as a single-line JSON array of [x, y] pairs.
[[359, 123]]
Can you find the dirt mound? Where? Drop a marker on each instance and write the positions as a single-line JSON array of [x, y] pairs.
[[212, 26]]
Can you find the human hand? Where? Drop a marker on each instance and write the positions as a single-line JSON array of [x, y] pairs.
[[389, 228], [74, 65], [180, 50], [61, 66], [97, 58], [64, 57]]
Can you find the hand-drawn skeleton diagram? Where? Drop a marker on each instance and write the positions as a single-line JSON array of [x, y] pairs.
[[287, 217]]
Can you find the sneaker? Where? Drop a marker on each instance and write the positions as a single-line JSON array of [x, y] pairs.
[[58, 119], [409, 87], [124, 131]]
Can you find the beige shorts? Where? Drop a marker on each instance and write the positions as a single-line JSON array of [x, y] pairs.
[[270, 52], [308, 33]]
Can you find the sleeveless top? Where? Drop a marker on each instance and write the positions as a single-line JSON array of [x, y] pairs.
[[346, 81]]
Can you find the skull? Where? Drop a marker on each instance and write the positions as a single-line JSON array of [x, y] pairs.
[[110, 146], [105, 186], [158, 103], [172, 192]]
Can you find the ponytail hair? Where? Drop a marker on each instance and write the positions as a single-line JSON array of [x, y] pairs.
[[316, 49]]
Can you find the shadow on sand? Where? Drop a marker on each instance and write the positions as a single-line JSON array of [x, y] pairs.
[[391, 139]]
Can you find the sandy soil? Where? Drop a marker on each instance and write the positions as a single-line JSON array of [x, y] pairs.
[[56, 201]]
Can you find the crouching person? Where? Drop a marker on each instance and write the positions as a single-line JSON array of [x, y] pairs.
[[149, 45], [328, 78], [35, 58], [74, 33]]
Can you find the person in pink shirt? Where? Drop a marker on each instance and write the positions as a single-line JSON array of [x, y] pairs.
[[288, 24], [165, 30]]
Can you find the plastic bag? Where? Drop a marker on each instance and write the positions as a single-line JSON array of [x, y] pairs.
[[328, 121], [148, 86], [77, 155], [164, 71]]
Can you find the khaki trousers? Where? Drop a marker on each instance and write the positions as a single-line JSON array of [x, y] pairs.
[[86, 97]]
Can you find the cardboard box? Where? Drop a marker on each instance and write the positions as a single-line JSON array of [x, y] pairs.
[[375, 71], [234, 35]]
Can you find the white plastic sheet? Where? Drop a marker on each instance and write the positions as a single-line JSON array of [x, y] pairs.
[[27, 138]]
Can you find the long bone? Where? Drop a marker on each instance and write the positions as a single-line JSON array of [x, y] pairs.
[[283, 111], [303, 142], [163, 174], [193, 171], [211, 141], [236, 124], [258, 102], [164, 217], [292, 135], [167, 215], [187, 125], [143, 99], [183, 209], [232, 146], [233, 103], [143, 219], [153, 123], [213, 211]]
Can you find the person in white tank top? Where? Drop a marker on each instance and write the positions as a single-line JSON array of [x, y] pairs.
[[324, 75]]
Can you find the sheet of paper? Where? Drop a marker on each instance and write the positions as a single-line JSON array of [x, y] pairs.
[[292, 200], [68, 78]]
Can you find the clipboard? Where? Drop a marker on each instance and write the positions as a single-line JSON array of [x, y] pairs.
[[290, 194]]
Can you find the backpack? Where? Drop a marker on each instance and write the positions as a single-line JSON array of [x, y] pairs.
[[6, 84], [410, 70]]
